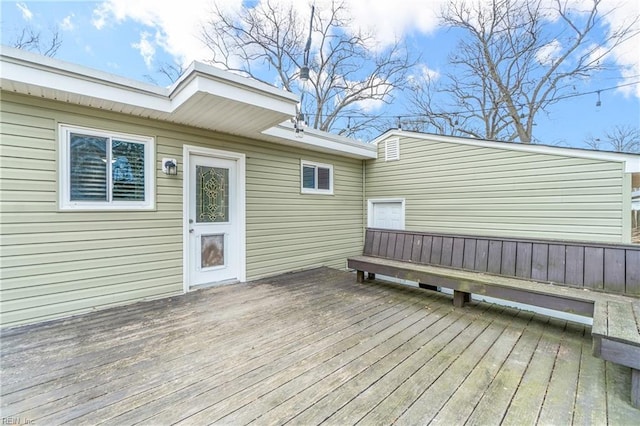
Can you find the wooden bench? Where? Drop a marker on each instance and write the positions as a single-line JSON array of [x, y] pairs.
[[616, 338], [463, 264]]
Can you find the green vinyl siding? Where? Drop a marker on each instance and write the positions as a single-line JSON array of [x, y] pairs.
[[480, 190], [61, 263]]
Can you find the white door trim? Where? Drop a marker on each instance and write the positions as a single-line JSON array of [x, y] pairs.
[[240, 159], [372, 201]]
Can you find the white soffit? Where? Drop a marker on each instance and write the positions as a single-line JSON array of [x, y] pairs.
[[203, 97], [631, 161], [320, 141]]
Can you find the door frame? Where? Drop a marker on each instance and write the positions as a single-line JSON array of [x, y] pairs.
[[240, 159], [372, 201]]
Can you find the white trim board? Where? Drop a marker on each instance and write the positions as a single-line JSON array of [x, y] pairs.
[[631, 161], [316, 140]]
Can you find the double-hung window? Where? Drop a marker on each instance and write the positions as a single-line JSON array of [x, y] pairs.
[[105, 170], [317, 178]]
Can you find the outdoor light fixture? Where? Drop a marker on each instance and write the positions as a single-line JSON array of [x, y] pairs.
[[598, 103], [170, 166], [299, 124]]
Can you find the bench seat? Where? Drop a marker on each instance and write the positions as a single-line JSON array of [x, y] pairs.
[[546, 295], [616, 337]]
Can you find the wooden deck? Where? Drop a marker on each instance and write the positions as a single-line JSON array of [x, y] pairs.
[[308, 348]]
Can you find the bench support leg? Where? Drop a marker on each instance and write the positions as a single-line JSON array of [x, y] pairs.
[[371, 276], [360, 276], [460, 298], [635, 388]]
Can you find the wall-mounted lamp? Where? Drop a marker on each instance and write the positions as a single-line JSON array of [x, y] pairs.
[[170, 166]]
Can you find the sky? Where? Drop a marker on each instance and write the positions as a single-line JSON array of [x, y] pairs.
[[133, 38]]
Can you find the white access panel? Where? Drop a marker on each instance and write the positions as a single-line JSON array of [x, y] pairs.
[[387, 214]]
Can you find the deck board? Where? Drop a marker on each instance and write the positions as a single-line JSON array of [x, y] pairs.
[[495, 401], [310, 347], [591, 398], [558, 406], [468, 394]]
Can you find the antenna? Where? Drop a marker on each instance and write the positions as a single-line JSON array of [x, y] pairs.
[[304, 70], [299, 120]]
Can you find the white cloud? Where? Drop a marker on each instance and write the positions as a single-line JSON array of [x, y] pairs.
[[428, 74], [627, 55], [176, 24], [146, 48], [179, 24], [27, 15], [393, 20], [549, 53], [617, 14], [67, 24], [377, 95]]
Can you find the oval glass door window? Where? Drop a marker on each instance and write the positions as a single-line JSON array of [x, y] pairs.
[[211, 250]]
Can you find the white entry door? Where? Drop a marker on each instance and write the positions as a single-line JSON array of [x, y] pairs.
[[387, 213], [214, 233]]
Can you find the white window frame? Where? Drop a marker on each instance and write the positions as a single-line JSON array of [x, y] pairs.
[[315, 190], [64, 171]]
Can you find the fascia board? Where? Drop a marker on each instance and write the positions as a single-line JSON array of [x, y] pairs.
[[201, 78], [220, 88], [322, 141], [69, 80], [232, 79], [27, 68], [631, 161]]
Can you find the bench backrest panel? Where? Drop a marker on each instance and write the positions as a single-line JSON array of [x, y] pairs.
[[606, 267]]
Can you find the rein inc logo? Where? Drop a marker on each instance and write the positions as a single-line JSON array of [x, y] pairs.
[[17, 421]]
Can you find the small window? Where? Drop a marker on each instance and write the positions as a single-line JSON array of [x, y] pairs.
[[392, 149], [316, 178], [102, 170]]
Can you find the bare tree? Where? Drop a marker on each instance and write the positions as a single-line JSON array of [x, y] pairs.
[[515, 59], [267, 42], [28, 38], [168, 71], [619, 139]]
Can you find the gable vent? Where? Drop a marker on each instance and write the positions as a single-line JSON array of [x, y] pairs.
[[392, 149]]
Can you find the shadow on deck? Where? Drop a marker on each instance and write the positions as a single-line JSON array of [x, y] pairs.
[[309, 348]]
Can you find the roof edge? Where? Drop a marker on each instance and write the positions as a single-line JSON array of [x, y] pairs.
[[57, 66], [631, 161], [318, 140]]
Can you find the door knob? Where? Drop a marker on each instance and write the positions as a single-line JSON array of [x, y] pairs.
[[191, 231]]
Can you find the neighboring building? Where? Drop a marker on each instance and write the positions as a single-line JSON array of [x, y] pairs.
[[89, 219], [475, 187]]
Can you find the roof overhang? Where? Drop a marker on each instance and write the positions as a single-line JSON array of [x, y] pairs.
[[203, 97], [631, 161], [317, 140]]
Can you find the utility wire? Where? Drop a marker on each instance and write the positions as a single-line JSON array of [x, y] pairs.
[[559, 98]]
